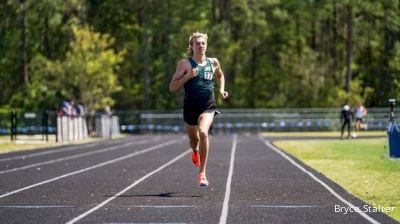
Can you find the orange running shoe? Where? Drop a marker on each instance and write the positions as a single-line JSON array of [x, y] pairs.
[[201, 178], [196, 158]]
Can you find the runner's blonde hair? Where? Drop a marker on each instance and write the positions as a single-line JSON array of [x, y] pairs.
[[192, 36]]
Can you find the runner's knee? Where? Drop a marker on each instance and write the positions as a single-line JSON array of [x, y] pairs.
[[203, 133]]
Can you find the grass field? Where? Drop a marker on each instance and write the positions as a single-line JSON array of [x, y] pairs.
[[6, 145], [361, 166], [31, 143], [322, 134]]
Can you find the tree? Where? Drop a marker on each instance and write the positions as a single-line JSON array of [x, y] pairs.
[[274, 53], [394, 65], [86, 75], [89, 69]]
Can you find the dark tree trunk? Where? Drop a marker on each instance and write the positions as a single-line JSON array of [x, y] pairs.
[[143, 14], [24, 42], [349, 56]]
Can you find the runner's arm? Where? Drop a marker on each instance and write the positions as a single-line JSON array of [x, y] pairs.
[[220, 78], [181, 76]]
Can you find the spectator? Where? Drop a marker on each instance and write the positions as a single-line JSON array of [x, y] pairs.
[[72, 109], [65, 108], [360, 112], [346, 115], [80, 109], [107, 110]]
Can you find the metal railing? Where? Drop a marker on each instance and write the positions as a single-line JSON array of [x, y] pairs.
[[230, 120], [236, 120]]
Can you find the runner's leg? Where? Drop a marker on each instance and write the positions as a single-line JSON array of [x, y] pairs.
[[348, 128], [193, 134], [205, 121]]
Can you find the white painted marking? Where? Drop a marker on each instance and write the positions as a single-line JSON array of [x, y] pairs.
[[36, 206], [286, 206], [83, 215], [144, 223], [359, 211], [48, 152], [160, 206], [224, 213], [115, 147], [91, 167]]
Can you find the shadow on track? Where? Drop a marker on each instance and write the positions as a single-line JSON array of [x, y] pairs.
[[162, 195]]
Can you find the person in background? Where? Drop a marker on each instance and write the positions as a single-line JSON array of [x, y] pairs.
[[346, 115], [359, 113], [80, 109], [65, 108], [108, 111]]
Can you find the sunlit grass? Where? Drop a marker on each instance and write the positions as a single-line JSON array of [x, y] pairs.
[[322, 134], [34, 142]]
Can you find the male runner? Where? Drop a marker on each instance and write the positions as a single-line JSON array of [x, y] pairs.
[[197, 74]]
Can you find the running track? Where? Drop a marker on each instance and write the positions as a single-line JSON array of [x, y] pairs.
[[150, 179]]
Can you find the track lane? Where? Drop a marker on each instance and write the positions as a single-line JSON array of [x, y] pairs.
[[27, 158], [265, 188], [173, 195], [52, 172], [80, 192], [269, 189]]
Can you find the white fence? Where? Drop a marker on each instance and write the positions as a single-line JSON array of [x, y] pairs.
[[107, 126], [74, 128], [71, 128]]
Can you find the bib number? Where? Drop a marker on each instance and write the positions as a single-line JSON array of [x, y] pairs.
[[208, 75]]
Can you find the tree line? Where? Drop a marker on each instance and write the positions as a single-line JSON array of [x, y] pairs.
[[123, 53]]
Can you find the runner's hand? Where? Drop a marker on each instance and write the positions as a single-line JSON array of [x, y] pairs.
[[193, 73], [224, 94]]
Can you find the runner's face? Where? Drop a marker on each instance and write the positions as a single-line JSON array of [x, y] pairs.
[[199, 45]]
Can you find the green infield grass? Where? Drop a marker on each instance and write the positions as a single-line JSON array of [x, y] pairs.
[[6, 145], [323, 134], [361, 166]]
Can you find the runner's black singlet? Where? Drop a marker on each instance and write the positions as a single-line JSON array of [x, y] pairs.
[[199, 92]]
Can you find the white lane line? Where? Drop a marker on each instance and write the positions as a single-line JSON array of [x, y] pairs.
[[359, 211], [287, 206], [91, 167], [36, 206], [83, 215], [49, 152], [144, 223], [53, 151], [111, 148], [224, 213], [160, 206]]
